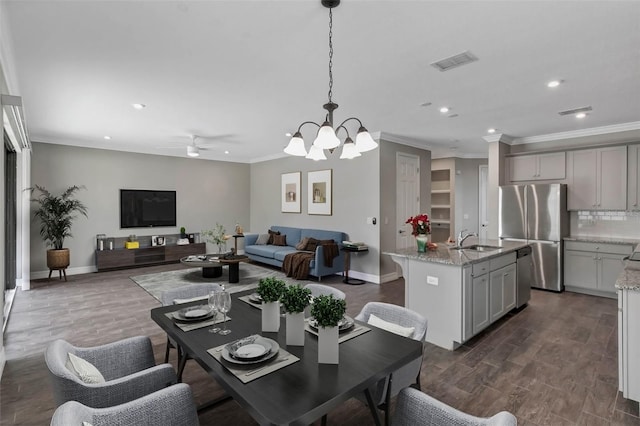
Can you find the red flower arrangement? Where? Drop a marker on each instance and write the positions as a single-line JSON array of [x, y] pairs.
[[420, 224]]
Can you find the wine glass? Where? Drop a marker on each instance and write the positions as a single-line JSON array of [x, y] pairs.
[[223, 303], [214, 309]]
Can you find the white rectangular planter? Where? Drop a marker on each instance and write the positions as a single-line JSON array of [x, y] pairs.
[[295, 329], [328, 345], [271, 317]]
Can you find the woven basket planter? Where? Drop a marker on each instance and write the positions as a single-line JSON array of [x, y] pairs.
[[58, 259]]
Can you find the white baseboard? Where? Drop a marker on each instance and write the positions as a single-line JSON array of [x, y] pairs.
[[36, 275], [389, 277], [3, 361], [370, 278]]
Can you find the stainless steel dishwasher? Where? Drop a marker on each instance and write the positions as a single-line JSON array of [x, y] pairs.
[[524, 272]]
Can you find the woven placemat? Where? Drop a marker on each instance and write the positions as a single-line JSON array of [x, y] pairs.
[[356, 331]]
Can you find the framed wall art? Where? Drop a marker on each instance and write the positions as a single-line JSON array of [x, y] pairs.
[[320, 192], [290, 193]]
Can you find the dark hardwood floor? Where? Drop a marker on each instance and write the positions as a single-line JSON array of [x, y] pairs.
[[553, 363]]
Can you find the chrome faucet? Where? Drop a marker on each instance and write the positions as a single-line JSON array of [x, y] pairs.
[[463, 235]]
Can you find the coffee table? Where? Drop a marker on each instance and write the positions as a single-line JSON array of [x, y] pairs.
[[211, 268], [234, 266]]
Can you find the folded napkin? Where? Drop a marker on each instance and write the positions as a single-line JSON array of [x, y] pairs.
[[188, 326], [354, 331], [247, 373], [246, 299]]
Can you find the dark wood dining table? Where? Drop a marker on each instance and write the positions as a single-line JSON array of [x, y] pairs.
[[302, 392]]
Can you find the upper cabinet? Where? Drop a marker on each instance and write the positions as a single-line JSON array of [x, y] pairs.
[[537, 167], [633, 157], [597, 179]]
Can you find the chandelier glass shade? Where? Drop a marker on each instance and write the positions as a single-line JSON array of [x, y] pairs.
[[326, 137]]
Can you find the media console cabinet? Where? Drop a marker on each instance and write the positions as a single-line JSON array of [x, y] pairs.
[[121, 258]]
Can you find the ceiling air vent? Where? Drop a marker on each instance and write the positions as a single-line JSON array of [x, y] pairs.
[[446, 64], [575, 111]]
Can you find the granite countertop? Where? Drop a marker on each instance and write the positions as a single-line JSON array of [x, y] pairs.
[[629, 278], [446, 255], [599, 239]]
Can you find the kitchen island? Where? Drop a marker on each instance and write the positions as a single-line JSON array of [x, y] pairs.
[[460, 291], [628, 286]]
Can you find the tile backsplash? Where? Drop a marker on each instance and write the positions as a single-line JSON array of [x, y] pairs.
[[613, 224]]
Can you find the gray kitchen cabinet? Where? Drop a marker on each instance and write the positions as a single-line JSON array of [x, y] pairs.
[[502, 292], [537, 167], [592, 268], [597, 179], [629, 343], [633, 183], [480, 308]]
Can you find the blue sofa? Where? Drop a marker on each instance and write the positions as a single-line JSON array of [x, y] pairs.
[[274, 255]]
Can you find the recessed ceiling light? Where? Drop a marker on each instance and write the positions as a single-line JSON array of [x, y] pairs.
[[288, 134], [492, 130], [226, 152], [554, 83], [108, 138], [139, 106], [444, 109], [581, 115]]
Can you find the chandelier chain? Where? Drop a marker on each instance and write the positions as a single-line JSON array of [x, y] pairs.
[[330, 54]]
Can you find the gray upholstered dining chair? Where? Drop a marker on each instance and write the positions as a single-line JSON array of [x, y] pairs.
[[417, 408], [407, 375], [180, 295], [325, 290], [172, 406], [127, 366]]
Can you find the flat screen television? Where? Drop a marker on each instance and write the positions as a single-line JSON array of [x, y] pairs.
[[141, 208]]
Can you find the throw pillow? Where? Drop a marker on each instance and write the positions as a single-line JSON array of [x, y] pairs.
[[312, 244], [85, 371], [279, 240], [271, 234], [302, 245], [262, 239], [389, 326]]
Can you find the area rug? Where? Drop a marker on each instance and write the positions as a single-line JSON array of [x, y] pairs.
[[250, 274]]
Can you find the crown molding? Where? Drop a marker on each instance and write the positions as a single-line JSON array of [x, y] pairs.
[[499, 137], [402, 140], [581, 133]]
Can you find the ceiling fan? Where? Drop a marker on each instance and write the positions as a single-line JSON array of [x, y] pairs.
[[199, 143]]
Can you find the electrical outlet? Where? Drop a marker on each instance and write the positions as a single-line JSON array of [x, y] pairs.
[[432, 280]]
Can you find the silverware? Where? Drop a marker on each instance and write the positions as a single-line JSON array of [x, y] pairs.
[[278, 361]]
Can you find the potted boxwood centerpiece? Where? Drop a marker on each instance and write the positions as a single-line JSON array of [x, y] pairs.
[[56, 214], [270, 289], [295, 299], [327, 312]]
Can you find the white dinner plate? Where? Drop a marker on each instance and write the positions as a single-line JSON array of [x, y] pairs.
[[343, 325], [273, 351], [194, 313]]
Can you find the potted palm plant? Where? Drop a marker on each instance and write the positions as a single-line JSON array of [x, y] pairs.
[[270, 289], [327, 312], [56, 214], [295, 299]]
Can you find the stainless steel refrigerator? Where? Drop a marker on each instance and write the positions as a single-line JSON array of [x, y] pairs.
[[538, 215]]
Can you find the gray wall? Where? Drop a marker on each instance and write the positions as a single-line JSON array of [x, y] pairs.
[[356, 196], [207, 192], [387, 222]]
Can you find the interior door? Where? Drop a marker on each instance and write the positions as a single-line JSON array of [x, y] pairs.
[[407, 196], [482, 202]]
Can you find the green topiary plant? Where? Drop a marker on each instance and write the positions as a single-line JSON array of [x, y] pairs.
[[270, 289], [328, 311], [295, 299]]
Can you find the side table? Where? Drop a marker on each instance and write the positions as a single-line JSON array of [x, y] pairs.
[[347, 265]]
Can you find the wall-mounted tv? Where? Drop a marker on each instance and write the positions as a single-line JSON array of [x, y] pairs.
[[144, 208]]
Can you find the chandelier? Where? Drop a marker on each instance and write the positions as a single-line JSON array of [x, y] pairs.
[[326, 137]]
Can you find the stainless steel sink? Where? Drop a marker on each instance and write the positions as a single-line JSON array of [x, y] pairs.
[[477, 247]]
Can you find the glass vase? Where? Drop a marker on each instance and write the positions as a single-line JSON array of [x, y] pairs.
[[421, 241]]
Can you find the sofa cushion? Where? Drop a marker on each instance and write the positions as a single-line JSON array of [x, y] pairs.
[[282, 252], [267, 251], [293, 234], [280, 240], [262, 239], [271, 234]]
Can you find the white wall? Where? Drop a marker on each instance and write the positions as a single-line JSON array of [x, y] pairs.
[[207, 192]]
